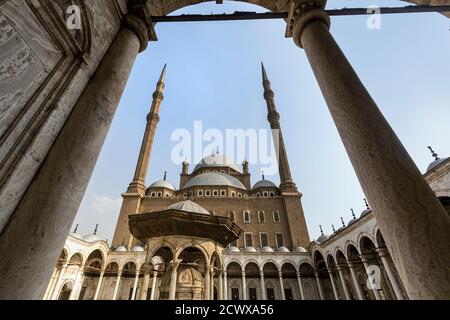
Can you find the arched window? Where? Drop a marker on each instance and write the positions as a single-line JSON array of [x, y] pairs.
[[246, 217]]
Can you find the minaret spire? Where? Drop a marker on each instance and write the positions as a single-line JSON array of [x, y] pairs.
[[287, 184], [138, 184]]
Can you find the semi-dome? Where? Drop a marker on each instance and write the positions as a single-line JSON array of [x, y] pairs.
[[300, 249], [163, 184], [266, 249], [322, 239], [188, 206], [365, 212], [233, 249], [436, 163], [120, 249], [264, 184], [352, 221], [214, 179], [283, 249], [249, 249], [216, 160], [137, 249], [91, 238]]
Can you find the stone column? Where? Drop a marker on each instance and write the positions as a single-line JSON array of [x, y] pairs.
[[211, 291], [383, 255], [406, 209], [52, 283], [355, 281], [263, 286], [344, 286], [220, 289], [225, 285], [244, 287], [207, 284], [99, 284], [333, 284], [300, 286], [283, 295], [319, 286], [116, 289], [366, 266], [77, 283], [145, 283], [55, 291], [136, 279], [155, 277], [54, 196], [173, 280]]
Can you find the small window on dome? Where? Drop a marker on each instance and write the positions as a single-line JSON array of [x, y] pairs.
[[265, 194], [185, 194], [223, 193], [272, 194], [159, 194], [258, 195], [200, 193], [239, 195], [215, 193], [153, 194], [233, 193], [208, 193]]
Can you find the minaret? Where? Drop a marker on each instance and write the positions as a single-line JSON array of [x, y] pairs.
[[138, 184], [287, 184]]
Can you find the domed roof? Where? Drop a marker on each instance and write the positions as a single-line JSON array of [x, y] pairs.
[[233, 249], [91, 238], [214, 179], [266, 249], [216, 160], [283, 249], [365, 212], [352, 221], [264, 184], [322, 239], [249, 249], [120, 249], [162, 184], [137, 249], [436, 163], [188, 206], [77, 235], [300, 249]]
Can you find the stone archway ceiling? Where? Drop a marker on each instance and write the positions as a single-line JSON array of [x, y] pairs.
[[165, 7]]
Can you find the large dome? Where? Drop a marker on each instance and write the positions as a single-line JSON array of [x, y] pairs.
[[216, 160], [163, 184], [188, 206], [264, 184], [214, 179]]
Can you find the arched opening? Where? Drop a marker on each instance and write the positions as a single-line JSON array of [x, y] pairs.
[[345, 275], [126, 285], [159, 266], [91, 277], [253, 283], [290, 282], [66, 290], [324, 277], [271, 276], [217, 280], [110, 279], [308, 282], [234, 274]]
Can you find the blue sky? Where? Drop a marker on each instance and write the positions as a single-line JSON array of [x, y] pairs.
[[214, 76]]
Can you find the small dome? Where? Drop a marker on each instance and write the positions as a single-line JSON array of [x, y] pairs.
[[283, 249], [300, 249], [91, 238], [120, 249], [216, 160], [435, 164], [266, 249], [365, 212], [250, 249], [352, 221], [264, 184], [77, 235], [188, 206], [233, 249], [214, 179], [322, 239], [163, 184], [137, 249]]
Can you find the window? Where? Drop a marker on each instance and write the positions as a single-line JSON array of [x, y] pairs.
[[261, 217], [280, 240], [288, 294], [272, 194], [258, 195], [208, 193], [248, 240], [270, 294], [233, 244], [159, 194], [223, 193], [239, 195], [263, 240], [191, 193], [246, 217], [167, 195], [200, 193], [215, 193], [252, 294], [265, 194], [276, 216], [231, 215], [153, 194], [185, 194], [234, 293], [233, 193]]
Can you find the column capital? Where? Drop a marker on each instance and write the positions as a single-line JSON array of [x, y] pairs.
[[175, 264], [139, 21], [153, 116], [301, 13], [382, 252], [280, 274], [299, 275], [261, 274], [243, 273]]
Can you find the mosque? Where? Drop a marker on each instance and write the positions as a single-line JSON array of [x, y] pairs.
[[217, 236]]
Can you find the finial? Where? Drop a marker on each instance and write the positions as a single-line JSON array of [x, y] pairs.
[[321, 230], [217, 151], [434, 154], [165, 175], [264, 73], [263, 176], [96, 229], [342, 221], [162, 77], [353, 214], [334, 230], [76, 229], [367, 204]]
